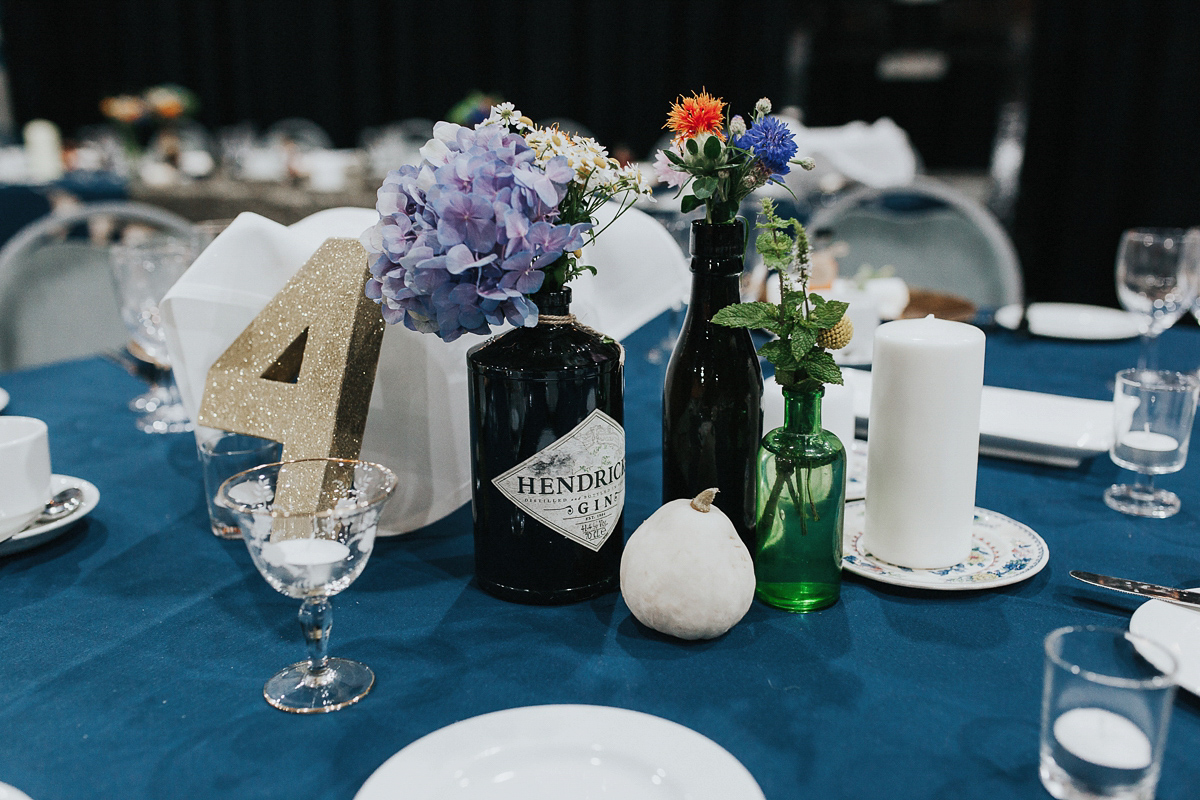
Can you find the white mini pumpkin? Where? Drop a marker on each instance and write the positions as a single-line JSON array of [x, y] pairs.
[[685, 572]]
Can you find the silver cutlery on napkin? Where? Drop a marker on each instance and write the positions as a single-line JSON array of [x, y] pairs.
[[1180, 597]]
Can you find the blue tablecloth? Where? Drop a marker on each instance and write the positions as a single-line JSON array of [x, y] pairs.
[[137, 644]]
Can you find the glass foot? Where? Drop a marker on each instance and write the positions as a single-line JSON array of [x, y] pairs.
[[171, 418], [1141, 502], [301, 691], [798, 596]]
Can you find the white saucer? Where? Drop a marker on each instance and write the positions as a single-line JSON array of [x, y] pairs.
[[1072, 321], [38, 534], [8, 792], [1003, 552], [1176, 628], [3, 399], [559, 751]]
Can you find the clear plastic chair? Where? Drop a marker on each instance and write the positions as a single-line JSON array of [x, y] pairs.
[[57, 299], [932, 235]]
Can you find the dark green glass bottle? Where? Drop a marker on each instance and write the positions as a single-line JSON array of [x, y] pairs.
[[548, 458], [712, 396], [801, 503]]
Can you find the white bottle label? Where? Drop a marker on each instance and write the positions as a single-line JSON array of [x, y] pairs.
[[575, 486]]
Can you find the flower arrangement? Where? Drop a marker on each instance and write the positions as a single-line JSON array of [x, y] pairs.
[[491, 215], [723, 163], [807, 325], [158, 103]]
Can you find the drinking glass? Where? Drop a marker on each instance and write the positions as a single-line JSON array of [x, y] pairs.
[[1157, 278], [221, 455], [1153, 411], [142, 273], [1106, 704], [311, 550]]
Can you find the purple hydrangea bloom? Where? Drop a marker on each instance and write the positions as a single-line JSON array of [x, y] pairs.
[[463, 238], [772, 142]]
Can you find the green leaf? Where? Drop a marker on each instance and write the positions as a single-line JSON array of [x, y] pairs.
[[712, 148], [778, 353], [673, 158], [828, 314], [747, 315], [692, 147], [821, 366], [690, 203], [705, 187], [802, 342], [816, 299]]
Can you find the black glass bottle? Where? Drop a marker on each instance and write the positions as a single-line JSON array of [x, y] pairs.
[[712, 397], [548, 459]]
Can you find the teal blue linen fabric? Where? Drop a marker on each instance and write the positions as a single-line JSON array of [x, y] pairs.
[[136, 645]]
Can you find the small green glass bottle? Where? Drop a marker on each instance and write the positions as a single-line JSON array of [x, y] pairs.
[[800, 509]]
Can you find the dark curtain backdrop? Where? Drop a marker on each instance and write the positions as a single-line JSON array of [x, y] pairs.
[[1114, 138], [613, 65]]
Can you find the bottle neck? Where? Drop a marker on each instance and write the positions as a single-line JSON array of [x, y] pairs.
[[718, 248], [554, 303], [802, 412]]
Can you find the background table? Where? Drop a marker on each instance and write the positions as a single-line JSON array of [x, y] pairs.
[[137, 644]]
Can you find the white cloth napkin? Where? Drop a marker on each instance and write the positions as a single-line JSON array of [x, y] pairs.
[[877, 154], [417, 423]]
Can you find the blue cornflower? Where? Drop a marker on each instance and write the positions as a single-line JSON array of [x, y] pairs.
[[772, 143]]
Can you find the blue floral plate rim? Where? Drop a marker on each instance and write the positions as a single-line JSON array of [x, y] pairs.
[[1003, 552]]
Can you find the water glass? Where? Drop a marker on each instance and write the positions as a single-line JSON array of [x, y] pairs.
[[223, 454], [1153, 411], [142, 273], [310, 527], [1106, 704]]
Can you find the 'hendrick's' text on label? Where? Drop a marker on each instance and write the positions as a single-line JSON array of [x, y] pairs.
[[576, 485]]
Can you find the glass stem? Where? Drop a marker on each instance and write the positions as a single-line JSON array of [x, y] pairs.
[[316, 618], [1147, 352], [1144, 483]]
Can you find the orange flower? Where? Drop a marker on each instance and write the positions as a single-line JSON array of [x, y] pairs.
[[691, 116]]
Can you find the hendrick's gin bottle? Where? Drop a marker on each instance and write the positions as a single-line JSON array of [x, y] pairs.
[[712, 397], [548, 458]]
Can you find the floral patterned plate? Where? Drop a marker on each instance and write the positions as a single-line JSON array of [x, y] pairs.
[[1003, 551]]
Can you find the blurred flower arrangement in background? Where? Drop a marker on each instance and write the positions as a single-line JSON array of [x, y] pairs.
[[490, 216], [723, 163]]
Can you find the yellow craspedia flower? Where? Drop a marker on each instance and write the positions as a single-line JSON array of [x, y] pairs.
[[838, 336]]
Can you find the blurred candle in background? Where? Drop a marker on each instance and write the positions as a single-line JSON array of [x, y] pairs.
[[43, 151]]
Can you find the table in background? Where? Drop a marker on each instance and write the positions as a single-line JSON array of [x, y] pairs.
[[138, 643]]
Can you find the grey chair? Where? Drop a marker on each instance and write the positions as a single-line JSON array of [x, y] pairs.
[[934, 236], [57, 299]]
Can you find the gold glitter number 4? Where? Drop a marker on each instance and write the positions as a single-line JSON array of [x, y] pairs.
[[302, 372]]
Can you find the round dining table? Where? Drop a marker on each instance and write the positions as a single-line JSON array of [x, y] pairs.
[[137, 643]]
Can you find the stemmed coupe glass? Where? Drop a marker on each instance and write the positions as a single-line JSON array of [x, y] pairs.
[[1157, 277], [311, 550], [1153, 411]]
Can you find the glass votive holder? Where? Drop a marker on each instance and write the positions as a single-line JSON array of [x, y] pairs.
[[1106, 705], [223, 454]]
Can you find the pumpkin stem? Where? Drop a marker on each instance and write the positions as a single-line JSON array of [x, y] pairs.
[[703, 501]]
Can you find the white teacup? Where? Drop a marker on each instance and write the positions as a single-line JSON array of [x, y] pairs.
[[24, 472]]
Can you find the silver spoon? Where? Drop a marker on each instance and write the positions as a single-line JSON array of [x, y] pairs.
[[62, 504]]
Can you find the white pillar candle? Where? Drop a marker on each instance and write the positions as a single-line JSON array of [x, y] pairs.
[[923, 441]]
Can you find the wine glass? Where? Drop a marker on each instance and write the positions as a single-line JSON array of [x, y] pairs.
[[311, 550], [142, 273], [1157, 278], [1153, 411]]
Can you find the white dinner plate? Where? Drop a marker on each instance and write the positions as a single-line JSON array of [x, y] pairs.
[[1176, 628], [562, 751], [36, 534], [1072, 321], [3, 399], [1027, 426], [1003, 552]]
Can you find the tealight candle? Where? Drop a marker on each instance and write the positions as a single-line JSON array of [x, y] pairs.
[[923, 440]]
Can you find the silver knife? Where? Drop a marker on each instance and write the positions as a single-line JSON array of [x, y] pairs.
[[1180, 597]]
